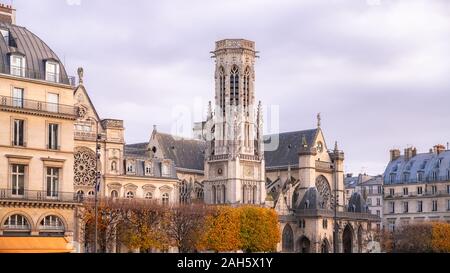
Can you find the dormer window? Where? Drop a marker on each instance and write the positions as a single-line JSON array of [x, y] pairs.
[[18, 65], [130, 167], [148, 169], [5, 35], [52, 71], [165, 170]]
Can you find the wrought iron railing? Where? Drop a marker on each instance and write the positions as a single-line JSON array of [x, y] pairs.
[[45, 196], [417, 194], [340, 214], [19, 104], [423, 179], [37, 75]]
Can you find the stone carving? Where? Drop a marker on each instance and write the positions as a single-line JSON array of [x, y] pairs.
[[84, 167], [82, 111], [80, 74], [323, 187]]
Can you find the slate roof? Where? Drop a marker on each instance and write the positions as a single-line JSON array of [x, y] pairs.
[[138, 150], [283, 155], [36, 51], [189, 153], [427, 163], [185, 153]]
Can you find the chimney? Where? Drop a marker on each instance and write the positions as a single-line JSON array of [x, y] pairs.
[[7, 14], [395, 153], [349, 175], [410, 153], [438, 149]]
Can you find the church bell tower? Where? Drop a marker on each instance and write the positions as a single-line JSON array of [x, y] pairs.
[[234, 159]]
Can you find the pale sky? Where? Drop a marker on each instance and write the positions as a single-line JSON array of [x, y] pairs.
[[377, 70]]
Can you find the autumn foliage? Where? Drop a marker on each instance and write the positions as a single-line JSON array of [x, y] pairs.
[[251, 229], [148, 226], [419, 238]]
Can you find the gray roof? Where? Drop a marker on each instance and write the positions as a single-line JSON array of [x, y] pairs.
[[185, 153], [138, 150], [36, 52], [190, 153], [311, 200], [288, 147], [357, 203], [406, 171]]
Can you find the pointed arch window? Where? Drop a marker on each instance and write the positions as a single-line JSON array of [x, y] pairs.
[[234, 86], [222, 89], [247, 89]]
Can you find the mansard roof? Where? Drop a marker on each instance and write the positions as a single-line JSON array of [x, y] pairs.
[[433, 166], [138, 150], [23, 42], [185, 153], [287, 150]]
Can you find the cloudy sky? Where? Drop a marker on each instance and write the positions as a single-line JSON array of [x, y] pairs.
[[377, 70]]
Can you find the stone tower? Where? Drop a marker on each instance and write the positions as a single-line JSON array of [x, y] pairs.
[[234, 167]]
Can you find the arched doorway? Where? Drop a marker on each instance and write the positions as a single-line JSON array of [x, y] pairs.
[[360, 243], [304, 245], [288, 239], [347, 239], [325, 247]]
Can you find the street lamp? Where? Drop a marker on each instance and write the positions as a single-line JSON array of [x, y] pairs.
[[97, 180]]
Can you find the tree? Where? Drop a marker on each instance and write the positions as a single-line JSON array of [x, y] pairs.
[[441, 237], [414, 238], [142, 228], [109, 219], [259, 229], [184, 226], [222, 230]]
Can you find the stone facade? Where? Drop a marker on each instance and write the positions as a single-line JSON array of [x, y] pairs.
[[234, 168], [417, 187]]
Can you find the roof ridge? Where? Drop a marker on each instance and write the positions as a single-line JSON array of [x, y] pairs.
[[290, 132]]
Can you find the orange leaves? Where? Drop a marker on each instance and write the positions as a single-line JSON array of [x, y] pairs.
[[441, 237], [222, 231], [419, 238], [248, 228], [259, 229]]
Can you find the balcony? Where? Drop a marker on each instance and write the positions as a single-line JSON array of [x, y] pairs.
[[26, 73], [39, 196], [39, 107], [340, 214], [416, 194]]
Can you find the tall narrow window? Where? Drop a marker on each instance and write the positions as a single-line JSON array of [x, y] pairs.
[[214, 195], [18, 65], [234, 86], [52, 71], [18, 180], [52, 182], [165, 199], [53, 141], [419, 206], [18, 133], [52, 102], [224, 194], [435, 205], [18, 97], [247, 89], [222, 89]]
